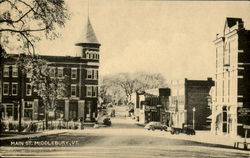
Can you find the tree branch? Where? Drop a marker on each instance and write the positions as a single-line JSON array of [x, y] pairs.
[[22, 31], [29, 43], [42, 16], [15, 21]]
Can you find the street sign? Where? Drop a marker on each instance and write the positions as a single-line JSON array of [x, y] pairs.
[[147, 108], [243, 111], [246, 126]]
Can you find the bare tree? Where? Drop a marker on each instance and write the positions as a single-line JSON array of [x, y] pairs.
[[132, 82]]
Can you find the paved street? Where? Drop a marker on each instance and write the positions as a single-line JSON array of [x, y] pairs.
[[122, 139]]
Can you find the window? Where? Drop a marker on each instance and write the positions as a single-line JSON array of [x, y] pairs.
[[28, 110], [6, 71], [73, 73], [227, 54], [60, 72], [6, 88], [73, 90], [89, 91], [52, 72], [92, 74], [9, 111], [28, 89], [92, 54], [94, 91], [14, 88], [96, 74], [89, 74], [29, 74], [14, 71]]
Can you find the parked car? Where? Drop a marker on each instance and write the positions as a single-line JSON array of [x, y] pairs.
[[175, 130], [107, 121], [185, 130], [156, 125], [188, 131]]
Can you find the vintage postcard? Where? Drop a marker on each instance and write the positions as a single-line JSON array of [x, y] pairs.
[[124, 78]]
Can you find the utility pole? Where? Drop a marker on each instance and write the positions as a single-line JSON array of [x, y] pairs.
[[21, 90], [193, 116], [21, 101]]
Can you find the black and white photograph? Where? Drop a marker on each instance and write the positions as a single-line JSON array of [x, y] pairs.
[[124, 79]]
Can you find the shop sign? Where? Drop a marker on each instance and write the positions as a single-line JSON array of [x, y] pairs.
[[243, 111], [148, 108], [172, 109]]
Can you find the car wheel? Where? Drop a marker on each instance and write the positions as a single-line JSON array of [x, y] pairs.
[[153, 129], [172, 132]]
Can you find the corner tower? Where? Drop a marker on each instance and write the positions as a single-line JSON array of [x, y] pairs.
[[88, 43], [88, 52]]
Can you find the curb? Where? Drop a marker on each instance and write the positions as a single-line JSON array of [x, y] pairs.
[[35, 135]]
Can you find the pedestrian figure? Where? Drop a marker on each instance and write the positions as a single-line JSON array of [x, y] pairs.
[[81, 123], [96, 125]]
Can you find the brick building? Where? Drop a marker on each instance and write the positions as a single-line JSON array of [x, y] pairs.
[[150, 105], [231, 100], [187, 95], [82, 70]]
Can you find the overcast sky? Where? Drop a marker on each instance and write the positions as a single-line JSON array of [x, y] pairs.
[[172, 38]]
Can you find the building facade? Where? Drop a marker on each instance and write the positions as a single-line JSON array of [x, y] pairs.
[[150, 105], [82, 88], [189, 103], [231, 100]]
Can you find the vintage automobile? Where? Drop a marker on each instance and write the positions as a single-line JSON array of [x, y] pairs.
[[175, 130], [188, 131], [104, 120], [185, 130], [107, 121], [156, 125]]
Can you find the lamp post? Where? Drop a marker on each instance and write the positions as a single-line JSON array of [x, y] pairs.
[[193, 116]]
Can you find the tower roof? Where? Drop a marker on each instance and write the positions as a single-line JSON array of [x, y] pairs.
[[232, 21], [88, 35]]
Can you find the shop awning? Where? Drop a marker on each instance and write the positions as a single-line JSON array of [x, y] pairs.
[[215, 114], [209, 117]]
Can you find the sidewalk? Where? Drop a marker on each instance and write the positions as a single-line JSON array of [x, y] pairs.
[[39, 134], [205, 137], [209, 137]]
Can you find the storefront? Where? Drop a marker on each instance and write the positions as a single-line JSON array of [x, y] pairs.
[[151, 114], [9, 111]]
